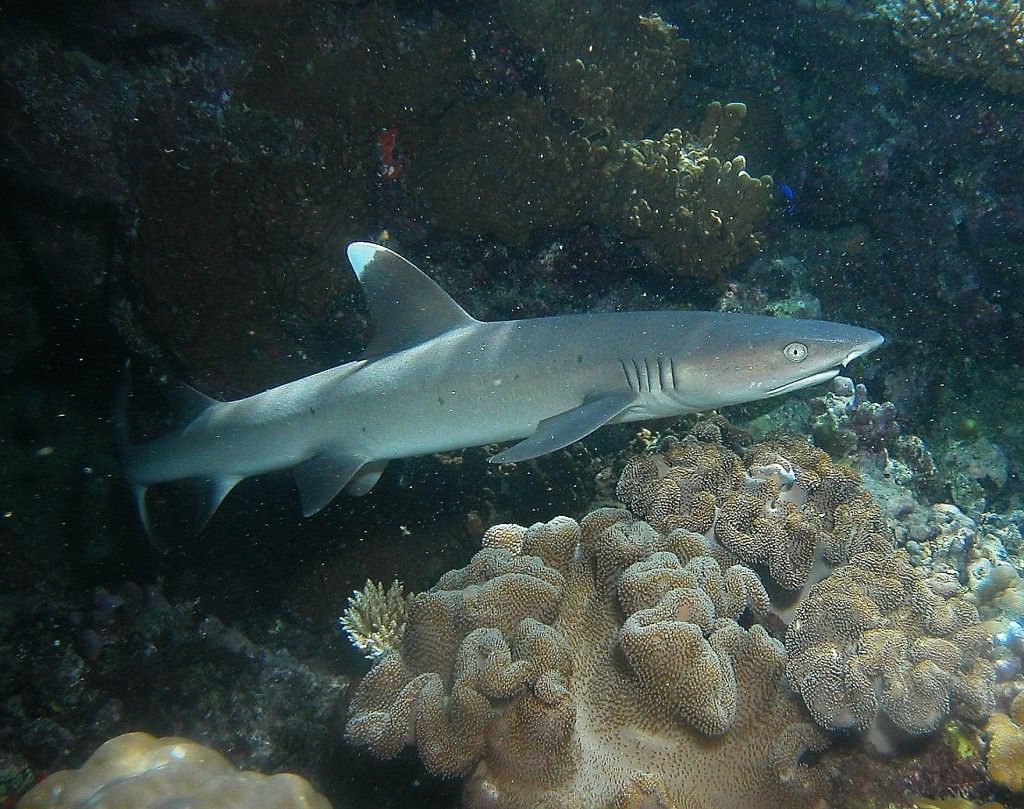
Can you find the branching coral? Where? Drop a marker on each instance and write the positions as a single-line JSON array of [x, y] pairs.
[[876, 646], [599, 665], [978, 39], [375, 618], [687, 198], [138, 771], [577, 155]]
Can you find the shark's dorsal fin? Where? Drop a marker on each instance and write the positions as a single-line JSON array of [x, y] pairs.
[[188, 402], [407, 307]]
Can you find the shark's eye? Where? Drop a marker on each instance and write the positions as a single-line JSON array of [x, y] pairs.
[[795, 352]]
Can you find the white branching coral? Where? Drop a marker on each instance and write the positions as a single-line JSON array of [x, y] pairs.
[[375, 618]]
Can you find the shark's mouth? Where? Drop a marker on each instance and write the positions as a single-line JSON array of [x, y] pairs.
[[859, 352], [806, 382]]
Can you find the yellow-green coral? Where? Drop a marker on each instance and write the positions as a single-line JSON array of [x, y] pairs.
[[978, 39], [139, 771], [960, 738], [375, 618], [1005, 759]]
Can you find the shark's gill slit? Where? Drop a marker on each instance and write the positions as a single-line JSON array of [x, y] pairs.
[[672, 373], [653, 377], [633, 386], [640, 383]]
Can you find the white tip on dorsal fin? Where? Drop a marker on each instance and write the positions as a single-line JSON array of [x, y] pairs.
[[407, 307]]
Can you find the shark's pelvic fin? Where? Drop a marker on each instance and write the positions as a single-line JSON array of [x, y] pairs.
[[321, 478], [366, 478], [407, 307], [565, 428]]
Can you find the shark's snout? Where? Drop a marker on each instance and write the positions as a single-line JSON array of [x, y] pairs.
[[867, 344]]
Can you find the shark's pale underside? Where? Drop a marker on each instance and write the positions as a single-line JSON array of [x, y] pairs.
[[436, 379]]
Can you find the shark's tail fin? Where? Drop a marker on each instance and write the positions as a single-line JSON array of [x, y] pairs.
[[190, 403], [127, 452]]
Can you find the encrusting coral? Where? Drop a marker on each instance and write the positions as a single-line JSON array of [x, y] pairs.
[[617, 662], [979, 39], [512, 669], [139, 771], [375, 618]]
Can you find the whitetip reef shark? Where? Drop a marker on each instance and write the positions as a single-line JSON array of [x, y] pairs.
[[435, 379]]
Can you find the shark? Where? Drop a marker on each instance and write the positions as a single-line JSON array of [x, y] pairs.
[[435, 379]]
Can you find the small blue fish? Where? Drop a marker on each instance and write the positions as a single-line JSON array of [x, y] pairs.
[[790, 196]]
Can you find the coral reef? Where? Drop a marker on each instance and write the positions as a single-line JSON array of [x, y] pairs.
[[375, 618], [509, 671], [139, 771], [845, 419], [977, 468], [977, 39], [1005, 757], [507, 668], [513, 167]]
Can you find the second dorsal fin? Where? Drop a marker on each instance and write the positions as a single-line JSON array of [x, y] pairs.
[[407, 307]]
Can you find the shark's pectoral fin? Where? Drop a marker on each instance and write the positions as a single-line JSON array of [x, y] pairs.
[[366, 478], [321, 478], [565, 428]]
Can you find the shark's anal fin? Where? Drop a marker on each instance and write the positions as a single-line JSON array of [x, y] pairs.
[[407, 307], [565, 428], [321, 478], [212, 492]]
